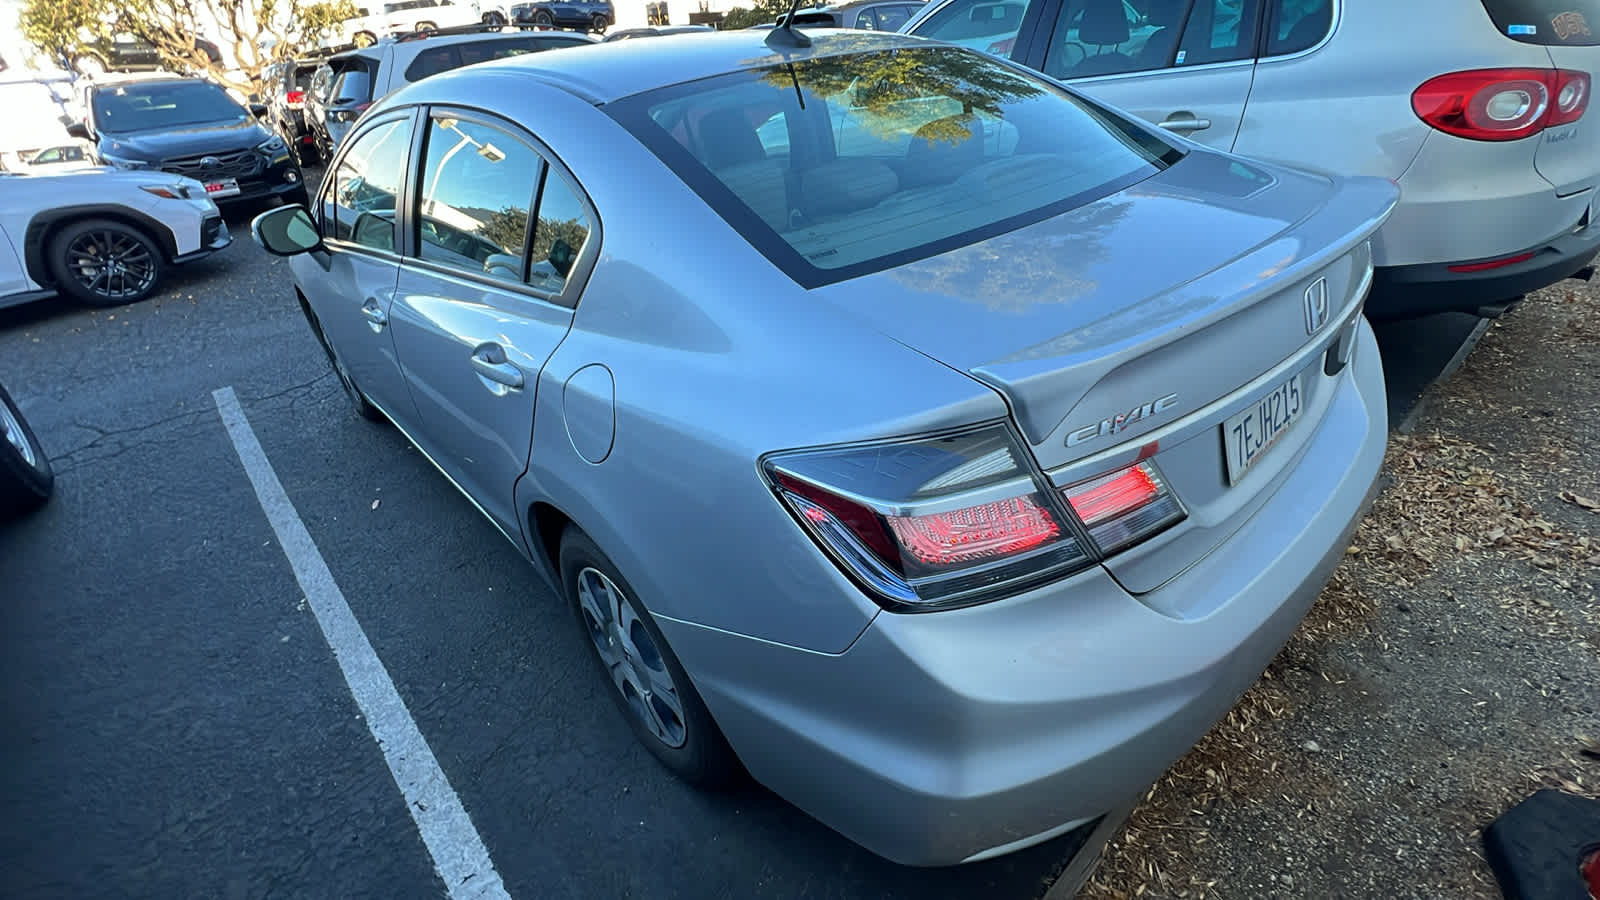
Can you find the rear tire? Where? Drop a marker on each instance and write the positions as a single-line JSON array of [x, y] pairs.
[[101, 262], [364, 39], [543, 19], [426, 27], [26, 478], [599, 24], [90, 66], [661, 704], [494, 18]]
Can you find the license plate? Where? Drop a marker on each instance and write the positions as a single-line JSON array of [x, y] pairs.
[[1248, 435], [227, 187]]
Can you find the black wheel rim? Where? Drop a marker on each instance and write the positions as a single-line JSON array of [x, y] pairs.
[[111, 264]]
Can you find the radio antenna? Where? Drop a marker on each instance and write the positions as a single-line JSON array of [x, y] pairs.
[[785, 35]]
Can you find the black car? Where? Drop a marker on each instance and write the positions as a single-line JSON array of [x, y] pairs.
[[284, 89], [589, 15], [123, 52], [191, 127]]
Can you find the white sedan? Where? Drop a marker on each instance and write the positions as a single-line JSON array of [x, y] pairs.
[[101, 236]]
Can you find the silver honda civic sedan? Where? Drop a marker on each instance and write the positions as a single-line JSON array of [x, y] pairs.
[[944, 449]]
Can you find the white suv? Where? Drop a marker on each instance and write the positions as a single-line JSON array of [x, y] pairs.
[[1474, 107], [405, 16], [102, 237]]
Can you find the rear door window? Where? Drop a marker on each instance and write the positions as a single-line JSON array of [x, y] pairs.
[[890, 18], [477, 188], [1548, 22]]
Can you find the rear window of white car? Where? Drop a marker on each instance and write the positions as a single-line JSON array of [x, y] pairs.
[[1548, 22], [844, 165]]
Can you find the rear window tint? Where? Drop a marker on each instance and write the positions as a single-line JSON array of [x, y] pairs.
[[353, 85], [1548, 22], [844, 165]]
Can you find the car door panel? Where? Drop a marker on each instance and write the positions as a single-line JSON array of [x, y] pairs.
[[472, 355], [354, 296], [1202, 104], [475, 318]]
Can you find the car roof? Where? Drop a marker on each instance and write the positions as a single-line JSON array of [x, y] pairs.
[[119, 80], [611, 70]]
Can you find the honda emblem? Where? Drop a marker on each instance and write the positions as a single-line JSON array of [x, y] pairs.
[[1316, 305]]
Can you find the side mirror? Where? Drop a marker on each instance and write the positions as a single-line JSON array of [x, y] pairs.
[[78, 130], [286, 231], [259, 110]]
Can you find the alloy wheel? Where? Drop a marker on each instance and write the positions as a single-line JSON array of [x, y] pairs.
[[111, 264], [630, 655]]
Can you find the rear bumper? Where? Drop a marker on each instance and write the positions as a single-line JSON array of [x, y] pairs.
[[944, 738], [1406, 291]]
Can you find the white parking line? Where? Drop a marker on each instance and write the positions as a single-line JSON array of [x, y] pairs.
[[458, 852]]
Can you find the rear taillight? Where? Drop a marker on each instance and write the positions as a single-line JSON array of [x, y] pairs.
[[1125, 506], [1572, 97], [1502, 104], [959, 519], [295, 97]]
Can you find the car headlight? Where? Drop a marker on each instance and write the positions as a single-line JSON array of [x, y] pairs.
[[123, 162], [172, 191]]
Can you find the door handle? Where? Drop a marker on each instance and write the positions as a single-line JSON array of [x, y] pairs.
[[490, 362], [1182, 122], [376, 317]]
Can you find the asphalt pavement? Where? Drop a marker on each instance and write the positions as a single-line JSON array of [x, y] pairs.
[[174, 724]]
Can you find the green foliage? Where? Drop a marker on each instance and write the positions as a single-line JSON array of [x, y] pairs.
[[764, 11], [251, 34]]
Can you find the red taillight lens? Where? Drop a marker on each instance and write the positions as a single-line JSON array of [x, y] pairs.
[[1591, 874], [1125, 506], [935, 523], [1572, 97], [1493, 263], [295, 96], [975, 533], [1501, 104]]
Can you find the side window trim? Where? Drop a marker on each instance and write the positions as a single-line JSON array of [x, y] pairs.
[[579, 277], [331, 177]]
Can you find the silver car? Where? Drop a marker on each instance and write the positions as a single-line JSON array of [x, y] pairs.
[[950, 454], [1476, 108]]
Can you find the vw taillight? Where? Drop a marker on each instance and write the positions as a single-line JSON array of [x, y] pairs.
[[1502, 104], [962, 518]]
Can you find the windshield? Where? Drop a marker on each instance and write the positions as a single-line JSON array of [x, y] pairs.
[[843, 165], [1549, 22], [162, 105]]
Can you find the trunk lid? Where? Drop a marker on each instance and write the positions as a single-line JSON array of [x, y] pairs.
[[1119, 301], [1156, 309]]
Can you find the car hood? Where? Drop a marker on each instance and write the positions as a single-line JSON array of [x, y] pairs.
[[1128, 284], [191, 140]]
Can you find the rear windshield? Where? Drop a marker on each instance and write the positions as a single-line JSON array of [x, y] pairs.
[[352, 85], [1548, 22], [843, 165]]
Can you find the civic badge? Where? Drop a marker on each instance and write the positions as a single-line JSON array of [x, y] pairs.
[[1316, 305]]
